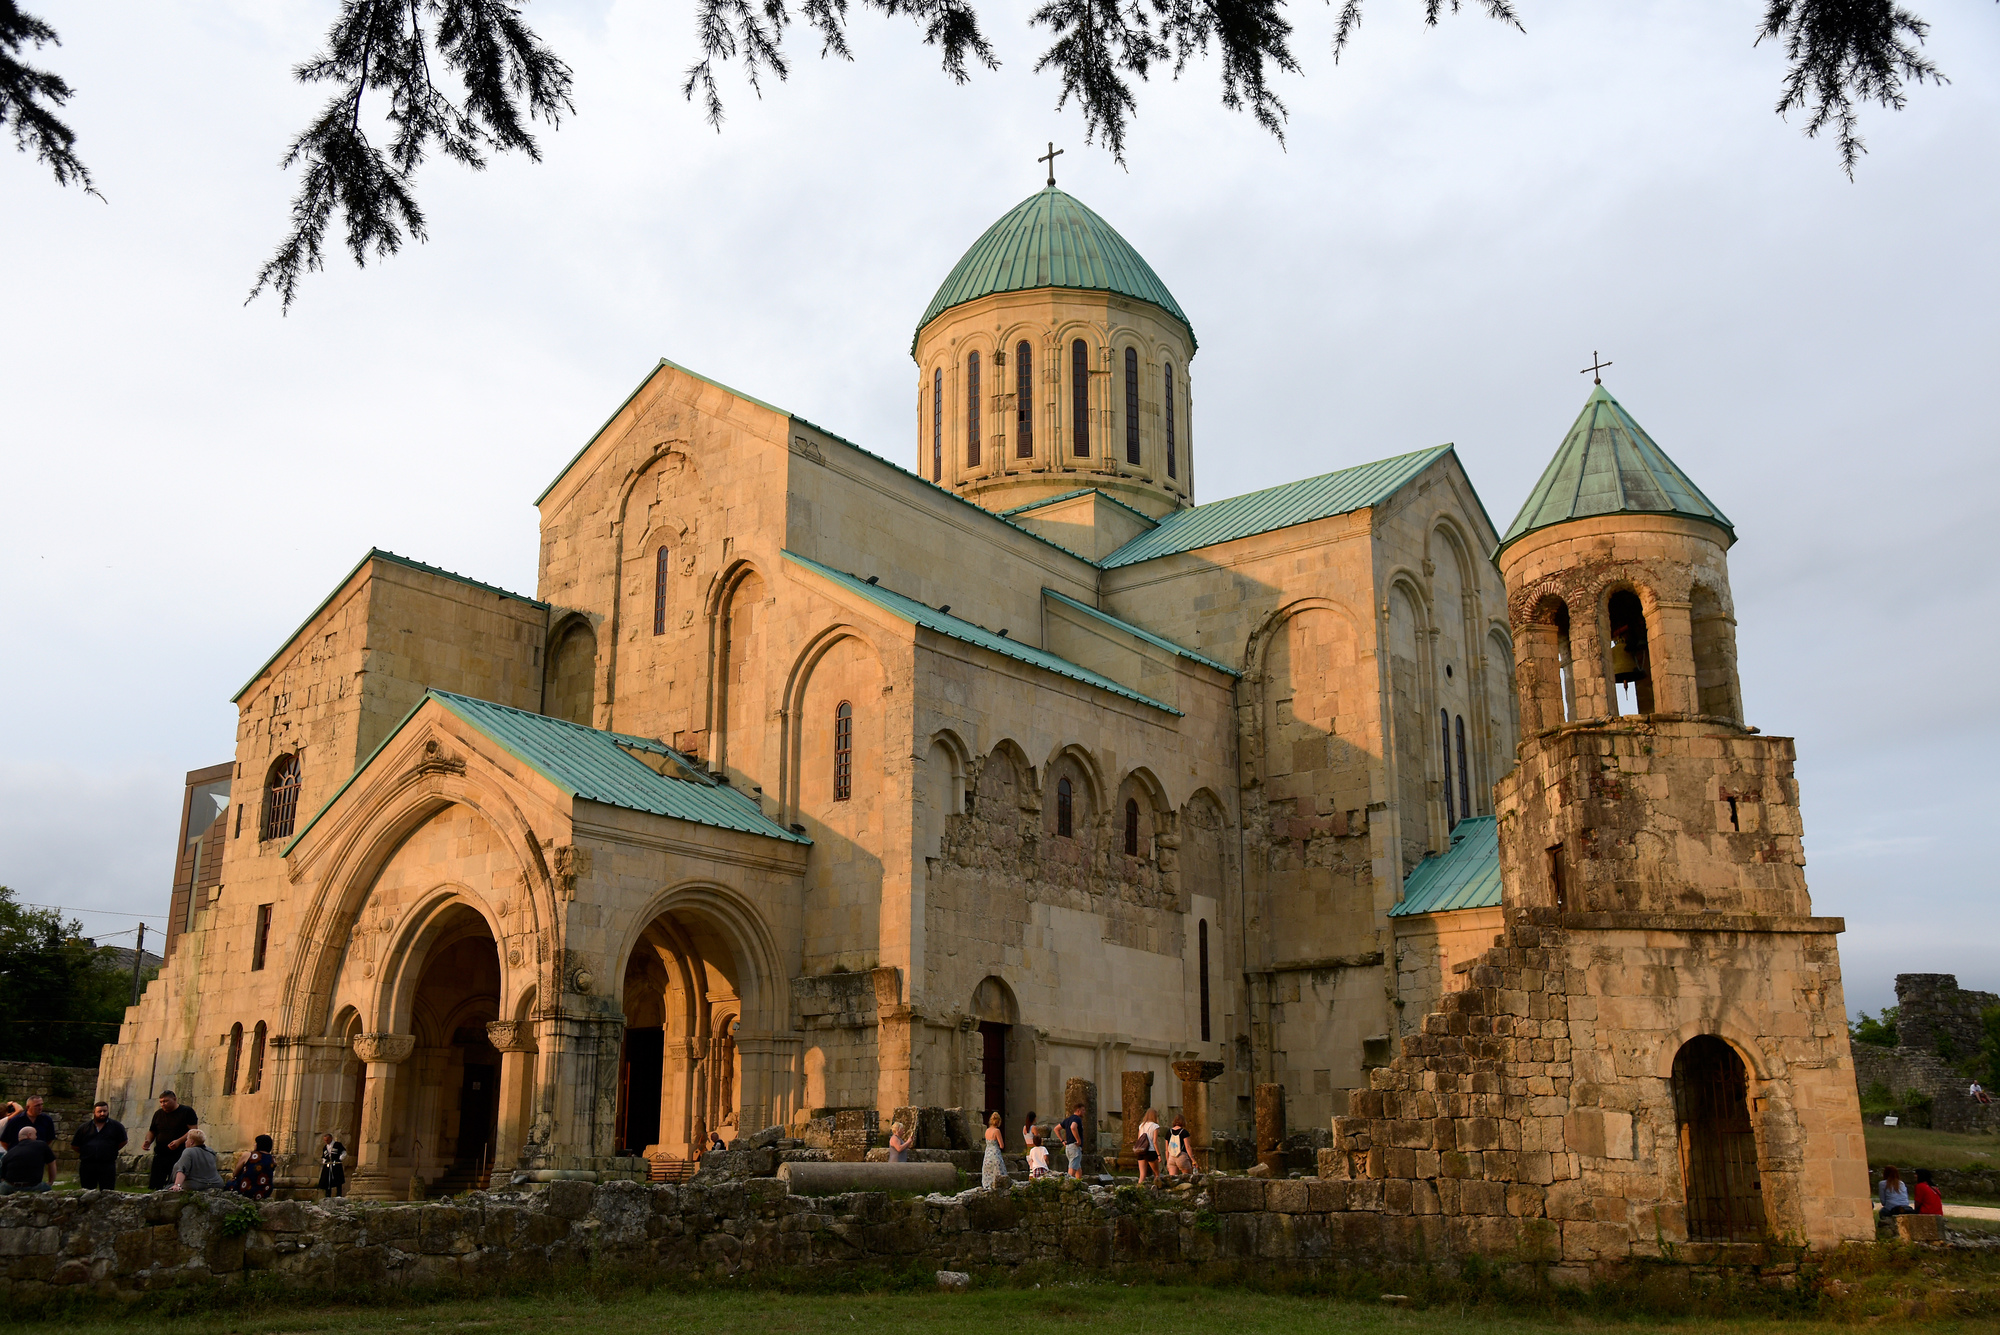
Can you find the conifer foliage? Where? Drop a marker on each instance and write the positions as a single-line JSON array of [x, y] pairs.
[[505, 77], [29, 98]]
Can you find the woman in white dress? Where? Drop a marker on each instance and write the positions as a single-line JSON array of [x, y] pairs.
[[992, 1168]]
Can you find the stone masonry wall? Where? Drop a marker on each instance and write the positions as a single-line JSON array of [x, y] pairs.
[[122, 1244]]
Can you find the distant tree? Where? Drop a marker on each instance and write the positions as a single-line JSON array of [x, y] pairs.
[[1881, 1032], [1989, 1046], [29, 98], [61, 996]]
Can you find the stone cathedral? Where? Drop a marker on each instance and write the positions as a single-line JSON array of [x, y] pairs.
[[807, 781]]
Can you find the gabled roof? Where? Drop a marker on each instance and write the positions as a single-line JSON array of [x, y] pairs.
[[1050, 239], [1072, 495], [594, 766], [923, 614], [1609, 465], [1301, 502], [1142, 633], [375, 554], [1465, 876]]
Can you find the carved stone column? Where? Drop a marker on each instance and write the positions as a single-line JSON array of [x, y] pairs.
[[1136, 1095], [1195, 1076], [515, 1040], [1271, 1127], [374, 1178]]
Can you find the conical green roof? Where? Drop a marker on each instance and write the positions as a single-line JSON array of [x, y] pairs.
[[1609, 465], [1050, 239]]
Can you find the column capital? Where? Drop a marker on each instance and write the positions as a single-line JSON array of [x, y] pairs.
[[1197, 1072], [511, 1035], [388, 1048]]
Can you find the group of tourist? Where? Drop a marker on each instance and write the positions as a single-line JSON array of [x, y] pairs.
[[1899, 1198], [1175, 1157], [182, 1159]]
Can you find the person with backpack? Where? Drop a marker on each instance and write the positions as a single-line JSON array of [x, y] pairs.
[[1146, 1146], [1180, 1156]]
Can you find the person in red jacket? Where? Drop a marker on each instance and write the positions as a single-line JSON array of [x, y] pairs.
[[1925, 1196]]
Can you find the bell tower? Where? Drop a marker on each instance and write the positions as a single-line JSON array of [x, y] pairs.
[[1640, 787]]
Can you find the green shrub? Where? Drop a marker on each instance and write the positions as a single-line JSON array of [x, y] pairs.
[[1881, 1032], [1877, 1099], [1916, 1108], [240, 1220]]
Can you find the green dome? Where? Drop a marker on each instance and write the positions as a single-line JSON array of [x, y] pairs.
[[1050, 239], [1609, 465]]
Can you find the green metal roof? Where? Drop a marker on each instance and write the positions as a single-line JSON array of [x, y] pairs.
[[1465, 876], [1140, 631], [1300, 502], [376, 554], [595, 766], [1050, 239], [923, 614], [1609, 465]]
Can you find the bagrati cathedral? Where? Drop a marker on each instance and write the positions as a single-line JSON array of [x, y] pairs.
[[806, 781]]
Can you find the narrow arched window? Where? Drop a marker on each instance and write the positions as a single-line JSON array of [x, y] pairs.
[[972, 410], [1444, 750], [235, 1059], [1065, 810], [1169, 404], [937, 424], [661, 560], [1201, 936], [1464, 779], [1132, 406], [1079, 390], [1131, 827], [281, 797], [843, 752], [253, 1076], [1024, 401]]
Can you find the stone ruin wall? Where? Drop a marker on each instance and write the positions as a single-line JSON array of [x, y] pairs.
[[119, 1245], [1938, 1026]]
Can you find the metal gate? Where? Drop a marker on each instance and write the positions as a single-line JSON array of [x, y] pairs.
[[1718, 1145]]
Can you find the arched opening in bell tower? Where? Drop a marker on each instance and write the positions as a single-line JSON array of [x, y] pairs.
[[1631, 664]]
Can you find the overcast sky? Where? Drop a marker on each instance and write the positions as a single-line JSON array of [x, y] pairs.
[[1459, 217]]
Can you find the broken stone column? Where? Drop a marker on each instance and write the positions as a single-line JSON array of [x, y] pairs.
[[1138, 1096], [1271, 1127], [1077, 1091], [853, 1133], [1195, 1076], [932, 1134]]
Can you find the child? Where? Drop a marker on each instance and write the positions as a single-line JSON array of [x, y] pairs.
[[1038, 1160]]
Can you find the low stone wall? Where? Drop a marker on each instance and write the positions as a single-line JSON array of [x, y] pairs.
[[114, 1244]]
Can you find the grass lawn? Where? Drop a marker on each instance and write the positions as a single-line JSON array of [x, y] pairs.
[[1943, 1293], [1910, 1148]]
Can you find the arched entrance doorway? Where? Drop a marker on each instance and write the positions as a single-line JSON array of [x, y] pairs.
[[1718, 1143], [993, 1006], [680, 1078]]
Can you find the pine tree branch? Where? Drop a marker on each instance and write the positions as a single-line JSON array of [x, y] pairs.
[[29, 98]]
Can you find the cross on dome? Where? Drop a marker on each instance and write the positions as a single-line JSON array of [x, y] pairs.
[[1050, 158], [1594, 370]]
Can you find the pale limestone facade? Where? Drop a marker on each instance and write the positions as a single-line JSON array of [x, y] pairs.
[[883, 790]]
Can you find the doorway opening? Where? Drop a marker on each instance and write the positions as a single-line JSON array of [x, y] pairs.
[[1718, 1144]]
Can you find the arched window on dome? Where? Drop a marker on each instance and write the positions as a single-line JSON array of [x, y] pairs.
[[937, 425], [1131, 827], [972, 410], [1169, 401], [1079, 375], [1024, 401], [1132, 406]]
